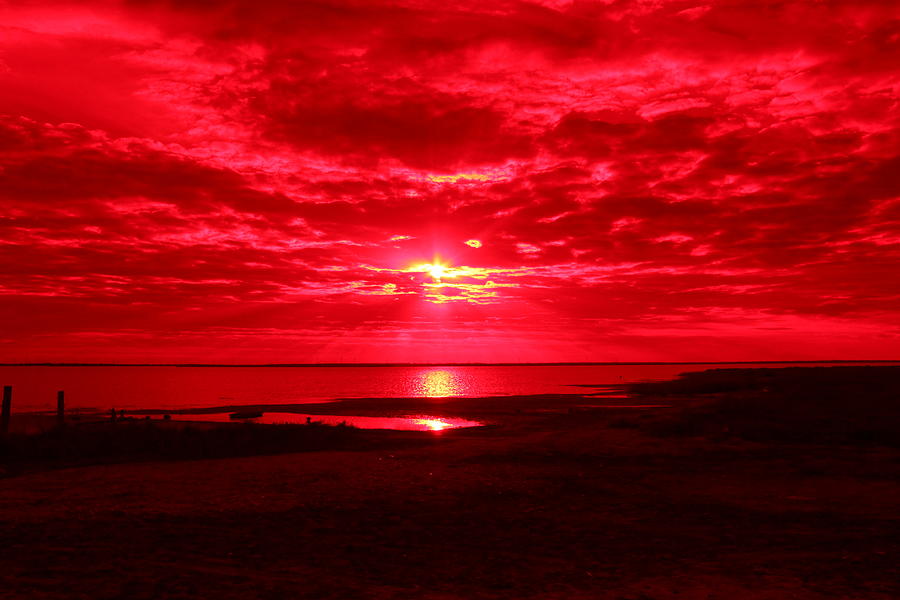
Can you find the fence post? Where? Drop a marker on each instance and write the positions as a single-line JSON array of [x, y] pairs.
[[7, 408], [61, 408]]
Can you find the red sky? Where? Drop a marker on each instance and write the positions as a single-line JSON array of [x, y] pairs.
[[256, 181]]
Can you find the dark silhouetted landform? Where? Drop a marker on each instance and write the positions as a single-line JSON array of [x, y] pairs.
[[748, 483], [849, 405], [135, 439]]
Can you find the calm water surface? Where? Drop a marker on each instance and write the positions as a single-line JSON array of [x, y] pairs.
[[34, 388], [404, 423]]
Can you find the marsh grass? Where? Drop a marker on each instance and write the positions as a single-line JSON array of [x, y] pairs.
[[836, 405], [136, 440]]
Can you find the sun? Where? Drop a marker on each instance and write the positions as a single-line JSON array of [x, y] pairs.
[[437, 271]]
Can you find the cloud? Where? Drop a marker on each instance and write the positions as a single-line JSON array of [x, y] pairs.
[[174, 168]]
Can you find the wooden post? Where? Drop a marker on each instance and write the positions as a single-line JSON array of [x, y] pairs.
[[7, 407], [61, 408]]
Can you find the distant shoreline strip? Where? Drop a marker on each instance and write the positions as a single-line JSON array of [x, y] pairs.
[[470, 364]]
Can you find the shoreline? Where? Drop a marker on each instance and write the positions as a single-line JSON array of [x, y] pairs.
[[451, 364], [753, 484]]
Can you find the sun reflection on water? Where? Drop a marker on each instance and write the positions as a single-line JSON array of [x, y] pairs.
[[434, 424], [439, 383]]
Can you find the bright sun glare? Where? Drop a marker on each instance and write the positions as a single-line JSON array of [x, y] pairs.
[[435, 270], [434, 424]]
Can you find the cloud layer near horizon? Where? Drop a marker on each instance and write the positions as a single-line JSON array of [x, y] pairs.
[[648, 180]]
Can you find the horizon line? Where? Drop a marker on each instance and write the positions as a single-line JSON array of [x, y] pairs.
[[440, 364]]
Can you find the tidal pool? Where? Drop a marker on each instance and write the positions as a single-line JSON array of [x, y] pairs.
[[402, 423]]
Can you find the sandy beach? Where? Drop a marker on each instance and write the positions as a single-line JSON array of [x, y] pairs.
[[554, 499]]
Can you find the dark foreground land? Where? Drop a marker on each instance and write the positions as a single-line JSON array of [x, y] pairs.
[[761, 483]]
